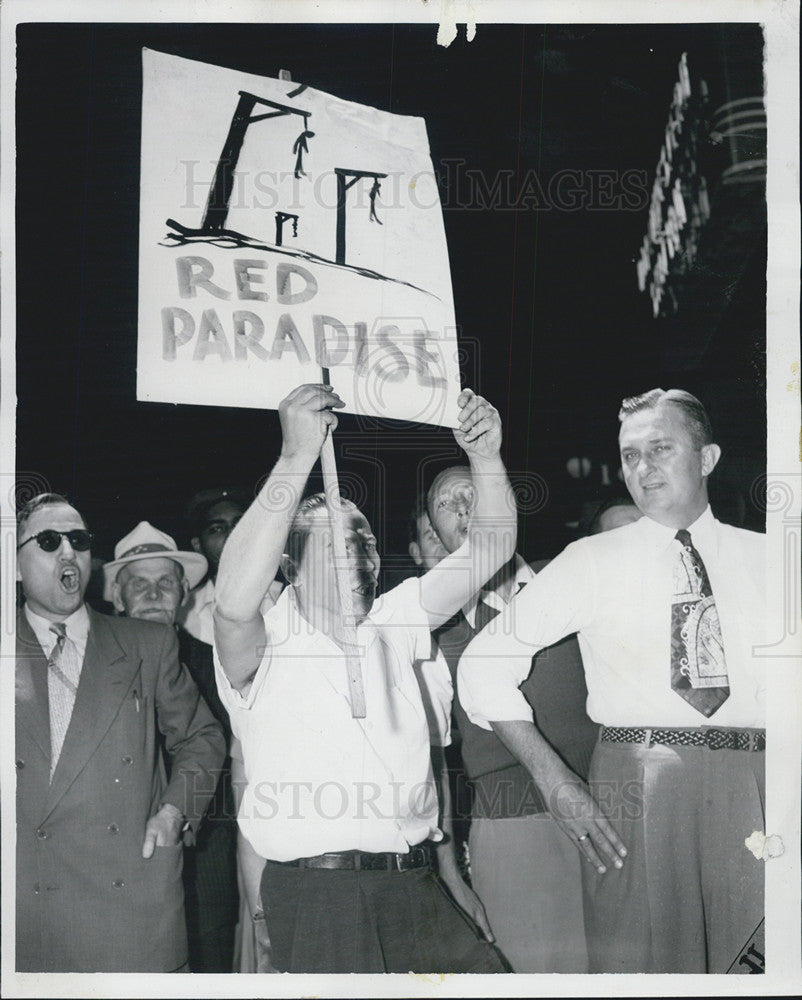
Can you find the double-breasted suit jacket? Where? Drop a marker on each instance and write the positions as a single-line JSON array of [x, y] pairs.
[[87, 901]]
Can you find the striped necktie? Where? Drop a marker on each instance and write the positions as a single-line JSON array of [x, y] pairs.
[[698, 667], [63, 674]]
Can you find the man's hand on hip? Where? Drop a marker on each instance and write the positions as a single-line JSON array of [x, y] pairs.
[[162, 830], [580, 818], [568, 799]]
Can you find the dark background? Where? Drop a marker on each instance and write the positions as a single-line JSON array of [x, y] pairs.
[[554, 329]]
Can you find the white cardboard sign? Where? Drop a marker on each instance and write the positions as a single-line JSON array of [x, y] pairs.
[[282, 230]]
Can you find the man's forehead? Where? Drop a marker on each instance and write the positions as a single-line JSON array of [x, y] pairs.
[[353, 520], [56, 515], [223, 510], [450, 480], [665, 419]]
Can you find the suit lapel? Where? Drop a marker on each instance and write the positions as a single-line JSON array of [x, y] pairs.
[[106, 678], [31, 701]]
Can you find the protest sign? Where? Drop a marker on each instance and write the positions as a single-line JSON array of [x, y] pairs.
[[283, 230]]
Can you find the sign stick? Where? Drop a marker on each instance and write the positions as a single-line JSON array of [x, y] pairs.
[[332, 488]]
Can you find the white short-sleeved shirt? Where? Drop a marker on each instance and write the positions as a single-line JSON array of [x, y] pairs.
[[319, 780], [615, 590]]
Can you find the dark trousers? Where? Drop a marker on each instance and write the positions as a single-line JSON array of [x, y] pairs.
[[211, 896], [212, 951], [369, 921]]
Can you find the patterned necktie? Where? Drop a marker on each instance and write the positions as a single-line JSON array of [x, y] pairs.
[[63, 674], [698, 668]]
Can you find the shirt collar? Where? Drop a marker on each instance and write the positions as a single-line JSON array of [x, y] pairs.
[[284, 621], [660, 537], [523, 574], [77, 625]]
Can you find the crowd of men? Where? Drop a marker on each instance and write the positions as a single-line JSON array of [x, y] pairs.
[[557, 769]]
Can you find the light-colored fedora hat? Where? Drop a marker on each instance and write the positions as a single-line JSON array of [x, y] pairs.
[[147, 542]]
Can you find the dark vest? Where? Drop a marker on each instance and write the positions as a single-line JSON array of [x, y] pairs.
[[555, 688]]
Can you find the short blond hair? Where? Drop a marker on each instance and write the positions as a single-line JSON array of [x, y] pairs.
[[694, 413]]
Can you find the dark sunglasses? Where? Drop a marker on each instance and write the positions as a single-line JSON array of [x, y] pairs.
[[50, 539]]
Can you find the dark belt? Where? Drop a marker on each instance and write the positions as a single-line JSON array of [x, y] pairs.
[[419, 856], [712, 739]]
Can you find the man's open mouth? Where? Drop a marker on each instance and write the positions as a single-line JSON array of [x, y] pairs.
[[70, 579]]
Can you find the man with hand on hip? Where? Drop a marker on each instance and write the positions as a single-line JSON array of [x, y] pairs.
[[670, 613]]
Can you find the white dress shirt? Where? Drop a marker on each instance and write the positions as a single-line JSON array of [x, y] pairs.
[[77, 626], [319, 780], [615, 589]]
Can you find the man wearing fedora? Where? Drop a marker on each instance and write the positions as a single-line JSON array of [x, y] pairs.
[[150, 580], [99, 823]]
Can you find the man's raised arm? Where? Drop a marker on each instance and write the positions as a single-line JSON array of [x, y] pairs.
[[492, 531], [253, 551]]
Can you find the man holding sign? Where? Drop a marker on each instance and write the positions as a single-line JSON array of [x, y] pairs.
[[345, 809]]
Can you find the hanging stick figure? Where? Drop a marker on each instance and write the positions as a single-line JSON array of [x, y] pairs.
[[300, 147], [374, 194]]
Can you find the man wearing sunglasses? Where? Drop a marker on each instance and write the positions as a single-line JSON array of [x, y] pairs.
[[99, 824]]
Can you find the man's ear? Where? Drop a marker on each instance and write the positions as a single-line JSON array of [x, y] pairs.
[[195, 543], [117, 598], [711, 453], [184, 591], [414, 551], [288, 568]]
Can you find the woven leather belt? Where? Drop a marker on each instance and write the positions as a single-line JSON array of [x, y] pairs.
[[417, 857], [712, 739]]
